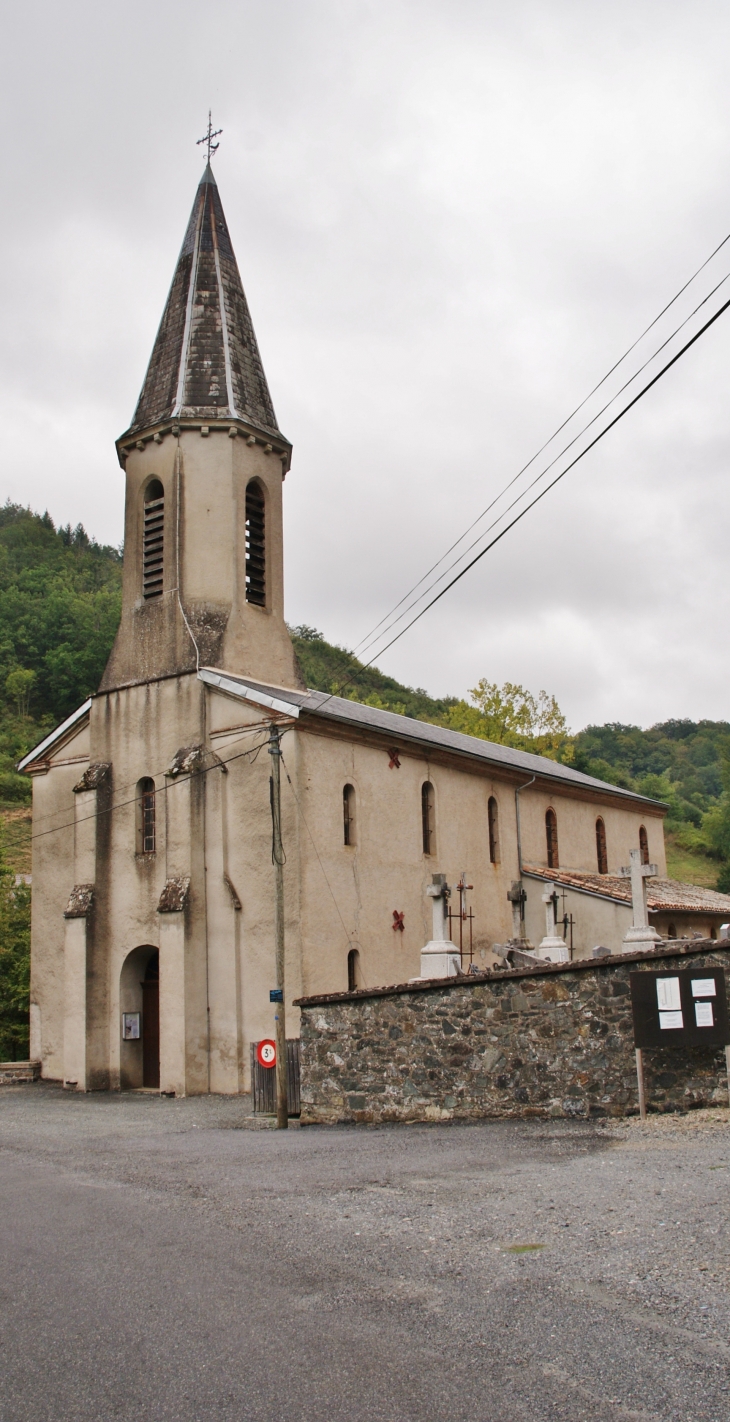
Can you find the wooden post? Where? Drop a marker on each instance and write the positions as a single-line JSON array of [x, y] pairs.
[[277, 855], [727, 1062], [640, 1080]]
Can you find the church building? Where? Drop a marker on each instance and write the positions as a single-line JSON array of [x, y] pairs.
[[153, 883]]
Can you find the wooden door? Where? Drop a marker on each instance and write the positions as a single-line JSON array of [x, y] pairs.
[[151, 1032]]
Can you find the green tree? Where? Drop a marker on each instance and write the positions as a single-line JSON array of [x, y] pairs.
[[511, 716], [716, 825], [14, 965], [19, 683]]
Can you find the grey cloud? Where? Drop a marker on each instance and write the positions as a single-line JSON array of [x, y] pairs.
[[450, 220]]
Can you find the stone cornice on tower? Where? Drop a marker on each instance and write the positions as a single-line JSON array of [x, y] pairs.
[[205, 370]]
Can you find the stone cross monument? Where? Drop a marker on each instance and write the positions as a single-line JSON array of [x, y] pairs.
[[640, 935], [440, 958], [516, 896], [552, 948]]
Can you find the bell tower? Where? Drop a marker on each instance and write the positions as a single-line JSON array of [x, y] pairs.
[[205, 463]]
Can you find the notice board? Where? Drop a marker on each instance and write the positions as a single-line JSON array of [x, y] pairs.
[[680, 1009]]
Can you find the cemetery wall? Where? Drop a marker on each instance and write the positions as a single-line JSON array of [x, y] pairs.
[[551, 1041]]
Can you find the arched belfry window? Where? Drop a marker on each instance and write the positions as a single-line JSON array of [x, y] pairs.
[[644, 844], [428, 818], [348, 814], [601, 851], [153, 540], [146, 833], [551, 834], [493, 821], [255, 544]]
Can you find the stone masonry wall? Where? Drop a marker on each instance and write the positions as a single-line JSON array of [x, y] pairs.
[[552, 1041]]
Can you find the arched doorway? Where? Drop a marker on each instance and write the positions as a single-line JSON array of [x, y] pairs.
[[139, 998]]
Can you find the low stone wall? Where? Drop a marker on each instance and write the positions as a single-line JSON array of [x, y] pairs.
[[551, 1041], [13, 1072]]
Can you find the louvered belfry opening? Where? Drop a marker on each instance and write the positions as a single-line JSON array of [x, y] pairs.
[[153, 540], [255, 545]]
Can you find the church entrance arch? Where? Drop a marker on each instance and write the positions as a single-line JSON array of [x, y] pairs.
[[140, 993]]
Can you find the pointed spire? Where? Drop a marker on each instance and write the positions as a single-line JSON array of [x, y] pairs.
[[205, 362]]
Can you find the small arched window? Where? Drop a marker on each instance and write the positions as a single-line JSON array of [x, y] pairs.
[[428, 817], [551, 833], [493, 819], [153, 540], [353, 970], [601, 852], [255, 544], [671, 930], [644, 844], [146, 817], [348, 814]]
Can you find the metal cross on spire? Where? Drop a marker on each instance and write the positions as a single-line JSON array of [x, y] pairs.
[[209, 136]]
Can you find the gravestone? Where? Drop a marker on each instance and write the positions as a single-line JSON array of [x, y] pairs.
[[640, 934], [552, 948], [440, 958]]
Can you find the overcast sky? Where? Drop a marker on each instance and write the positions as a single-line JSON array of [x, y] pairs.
[[451, 217]]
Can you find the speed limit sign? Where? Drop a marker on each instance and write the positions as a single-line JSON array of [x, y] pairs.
[[266, 1053]]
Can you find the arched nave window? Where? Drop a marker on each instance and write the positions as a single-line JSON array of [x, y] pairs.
[[551, 834], [601, 851]]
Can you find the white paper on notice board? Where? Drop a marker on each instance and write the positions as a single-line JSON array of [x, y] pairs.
[[703, 987], [667, 994], [671, 1020], [703, 1014]]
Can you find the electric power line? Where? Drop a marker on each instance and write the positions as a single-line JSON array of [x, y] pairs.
[[558, 477], [367, 642]]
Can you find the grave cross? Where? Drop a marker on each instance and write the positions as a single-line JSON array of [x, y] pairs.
[[440, 958], [552, 947], [638, 873], [517, 898]]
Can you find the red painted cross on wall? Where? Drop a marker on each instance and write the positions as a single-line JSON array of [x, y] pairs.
[[398, 924], [394, 762]]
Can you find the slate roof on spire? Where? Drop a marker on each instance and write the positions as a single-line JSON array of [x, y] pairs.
[[205, 362]]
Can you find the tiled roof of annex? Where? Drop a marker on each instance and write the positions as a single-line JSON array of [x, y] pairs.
[[337, 709], [662, 895]]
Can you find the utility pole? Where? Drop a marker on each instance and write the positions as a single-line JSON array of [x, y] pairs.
[[277, 855]]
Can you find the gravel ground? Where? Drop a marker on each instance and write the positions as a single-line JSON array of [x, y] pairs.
[[164, 1261]]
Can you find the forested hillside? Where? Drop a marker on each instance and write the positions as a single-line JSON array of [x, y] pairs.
[[60, 598]]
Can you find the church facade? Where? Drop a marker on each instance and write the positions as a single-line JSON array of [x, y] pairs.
[[153, 884]]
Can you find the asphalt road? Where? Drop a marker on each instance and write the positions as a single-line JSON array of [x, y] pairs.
[[161, 1261]]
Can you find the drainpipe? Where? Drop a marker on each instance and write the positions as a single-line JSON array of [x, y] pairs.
[[518, 789], [517, 814]]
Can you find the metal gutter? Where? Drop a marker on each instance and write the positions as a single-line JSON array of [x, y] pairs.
[[246, 693], [55, 735]]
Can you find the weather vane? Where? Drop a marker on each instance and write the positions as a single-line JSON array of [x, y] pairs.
[[209, 136]]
